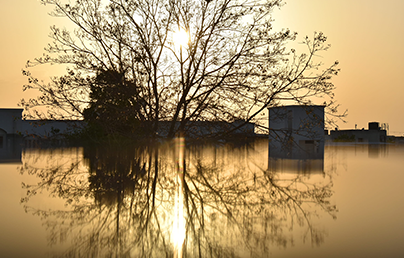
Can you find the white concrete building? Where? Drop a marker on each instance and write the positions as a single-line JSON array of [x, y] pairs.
[[296, 132]]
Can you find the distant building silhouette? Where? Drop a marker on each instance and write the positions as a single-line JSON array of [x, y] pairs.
[[14, 131], [196, 129], [374, 134]]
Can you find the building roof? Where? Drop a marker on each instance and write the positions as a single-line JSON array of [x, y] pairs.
[[297, 106]]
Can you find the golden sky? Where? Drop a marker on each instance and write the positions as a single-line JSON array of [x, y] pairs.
[[367, 38]]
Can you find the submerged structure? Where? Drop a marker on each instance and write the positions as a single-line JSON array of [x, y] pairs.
[[296, 135]]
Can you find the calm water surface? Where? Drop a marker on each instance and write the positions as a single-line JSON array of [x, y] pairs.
[[203, 201]]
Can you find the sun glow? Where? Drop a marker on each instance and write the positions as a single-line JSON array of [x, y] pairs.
[[181, 37]]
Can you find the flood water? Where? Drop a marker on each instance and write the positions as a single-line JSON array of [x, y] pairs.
[[221, 200]]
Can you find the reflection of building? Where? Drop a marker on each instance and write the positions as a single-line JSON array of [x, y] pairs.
[[373, 135], [296, 139], [377, 150], [296, 166]]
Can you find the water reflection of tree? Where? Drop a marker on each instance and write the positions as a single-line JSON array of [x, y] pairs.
[[120, 203], [258, 204]]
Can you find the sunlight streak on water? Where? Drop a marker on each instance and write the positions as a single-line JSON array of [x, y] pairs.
[[178, 232]]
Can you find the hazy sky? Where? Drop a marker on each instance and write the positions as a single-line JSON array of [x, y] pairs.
[[367, 38]]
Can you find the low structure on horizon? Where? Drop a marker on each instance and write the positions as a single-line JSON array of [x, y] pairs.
[[374, 134], [197, 129], [14, 131]]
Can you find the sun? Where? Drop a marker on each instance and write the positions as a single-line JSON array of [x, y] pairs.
[[181, 37]]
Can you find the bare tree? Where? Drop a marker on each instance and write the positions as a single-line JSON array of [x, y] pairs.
[[231, 66]]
